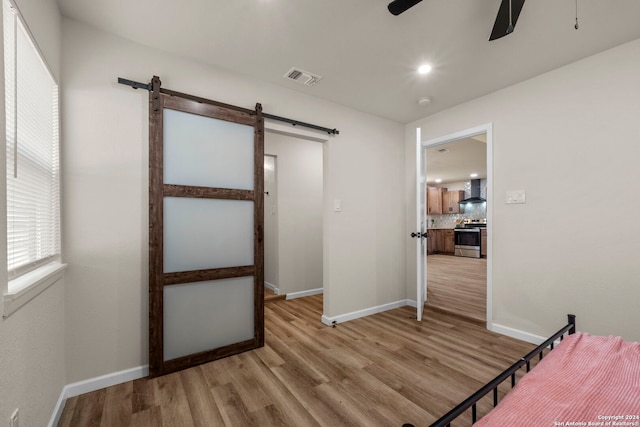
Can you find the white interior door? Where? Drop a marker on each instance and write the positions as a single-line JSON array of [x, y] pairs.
[[421, 225], [484, 132]]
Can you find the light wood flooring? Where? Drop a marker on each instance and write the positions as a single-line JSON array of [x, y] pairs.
[[382, 370], [270, 296], [458, 285]]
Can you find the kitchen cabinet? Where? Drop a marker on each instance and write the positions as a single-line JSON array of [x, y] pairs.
[[434, 241], [483, 242], [440, 241], [448, 242], [434, 200], [451, 201]]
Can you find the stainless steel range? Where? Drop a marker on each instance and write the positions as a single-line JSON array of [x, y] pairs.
[[468, 238]]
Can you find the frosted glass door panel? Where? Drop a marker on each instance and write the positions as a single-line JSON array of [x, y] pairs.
[[200, 234], [206, 315], [207, 152]]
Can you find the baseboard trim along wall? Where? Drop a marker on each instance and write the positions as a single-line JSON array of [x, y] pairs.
[[93, 384], [518, 334], [294, 295], [273, 287], [330, 321]]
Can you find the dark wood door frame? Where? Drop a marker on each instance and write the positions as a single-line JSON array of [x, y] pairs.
[[159, 99]]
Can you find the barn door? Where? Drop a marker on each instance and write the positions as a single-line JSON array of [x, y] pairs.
[[206, 290]]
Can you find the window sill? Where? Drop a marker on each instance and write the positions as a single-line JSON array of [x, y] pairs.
[[28, 286]]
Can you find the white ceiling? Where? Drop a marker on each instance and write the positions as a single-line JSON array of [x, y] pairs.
[[366, 56], [461, 158]]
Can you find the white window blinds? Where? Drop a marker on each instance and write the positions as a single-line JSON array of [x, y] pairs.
[[33, 167]]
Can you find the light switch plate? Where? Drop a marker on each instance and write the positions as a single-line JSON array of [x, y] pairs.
[[516, 196], [337, 205]]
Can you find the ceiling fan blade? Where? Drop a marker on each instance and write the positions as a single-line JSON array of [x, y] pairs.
[[506, 20], [396, 7]]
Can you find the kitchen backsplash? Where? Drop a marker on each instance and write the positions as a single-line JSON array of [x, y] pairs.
[[475, 211], [472, 211]]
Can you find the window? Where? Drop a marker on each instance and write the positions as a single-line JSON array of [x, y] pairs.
[[32, 149]]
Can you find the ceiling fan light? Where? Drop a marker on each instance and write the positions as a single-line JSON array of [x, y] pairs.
[[396, 7]]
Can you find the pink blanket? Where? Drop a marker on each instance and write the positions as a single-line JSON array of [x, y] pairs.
[[586, 381]]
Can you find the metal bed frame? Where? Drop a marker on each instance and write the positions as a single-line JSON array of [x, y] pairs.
[[492, 386]]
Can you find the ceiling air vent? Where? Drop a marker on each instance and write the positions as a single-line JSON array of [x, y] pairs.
[[302, 77]]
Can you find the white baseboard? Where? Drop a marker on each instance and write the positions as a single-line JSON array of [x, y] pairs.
[[518, 334], [93, 384], [57, 411], [412, 303], [330, 321], [294, 295], [273, 287]]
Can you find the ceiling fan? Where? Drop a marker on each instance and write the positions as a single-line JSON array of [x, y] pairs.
[[505, 21]]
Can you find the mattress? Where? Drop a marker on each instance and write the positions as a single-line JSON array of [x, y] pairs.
[[585, 381]]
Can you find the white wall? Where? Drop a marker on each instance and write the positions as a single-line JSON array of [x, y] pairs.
[[105, 186], [32, 352], [299, 211], [571, 139]]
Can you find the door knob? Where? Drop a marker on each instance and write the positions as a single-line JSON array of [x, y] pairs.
[[414, 235]]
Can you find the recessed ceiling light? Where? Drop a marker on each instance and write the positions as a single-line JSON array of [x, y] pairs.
[[426, 100], [424, 69], [438, 181], [474, 175]]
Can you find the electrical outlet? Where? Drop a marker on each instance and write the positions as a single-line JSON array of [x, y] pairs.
[[14, 421]]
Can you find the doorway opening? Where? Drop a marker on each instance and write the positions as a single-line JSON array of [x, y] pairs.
[[293, 216], [457, 182]]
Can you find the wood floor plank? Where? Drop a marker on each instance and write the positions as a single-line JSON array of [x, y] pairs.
[[306, 393], [149, 417], [458, 285], [270, 296], [359, 388], [268, 356], [248, 385], [118, 404], [173, 401], [89, 409], [382, 370], [67, 412], [295, 413], [270, 415], [352, 413], [202, 404], [232, 408], [220, 373], [143, 395]]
